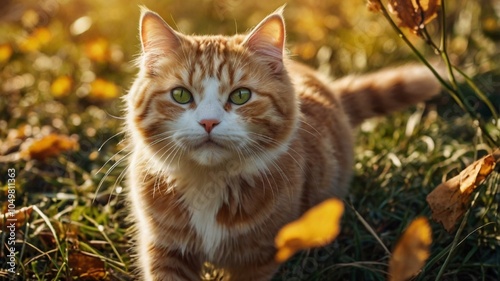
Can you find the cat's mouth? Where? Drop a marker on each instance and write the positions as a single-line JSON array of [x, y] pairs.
[[209, 143]]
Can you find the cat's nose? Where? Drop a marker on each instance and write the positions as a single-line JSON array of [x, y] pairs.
[[209, 124]]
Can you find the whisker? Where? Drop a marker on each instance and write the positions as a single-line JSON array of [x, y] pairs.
[[108, 172], [316, 135], [272, 141], [110, 138], [119, 179]]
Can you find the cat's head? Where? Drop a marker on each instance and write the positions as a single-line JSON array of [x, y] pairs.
[[210, 100]]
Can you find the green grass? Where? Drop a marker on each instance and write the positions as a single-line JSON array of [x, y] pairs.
[[78, 231], [394, 172]]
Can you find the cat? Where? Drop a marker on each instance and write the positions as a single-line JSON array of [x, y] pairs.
[[230, 140]]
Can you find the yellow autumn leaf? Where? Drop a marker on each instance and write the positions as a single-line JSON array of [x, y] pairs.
[[449, 200], [35, 40], [5, 52], [317, 227], [97, 50], [49, 146], [61, 86], [103, 90], [414, 14], [29, 44], [43, 35], [411, 251]]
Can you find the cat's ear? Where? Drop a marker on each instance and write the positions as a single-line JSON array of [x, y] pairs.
[[157, 37], [268, 39]]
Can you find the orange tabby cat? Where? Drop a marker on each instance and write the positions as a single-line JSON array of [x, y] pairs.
[[231, 140]]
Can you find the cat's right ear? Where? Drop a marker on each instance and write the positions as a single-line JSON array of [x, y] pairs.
[[157, 37], [268, 40]]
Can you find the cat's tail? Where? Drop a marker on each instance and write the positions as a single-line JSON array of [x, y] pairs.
[[385, 91]]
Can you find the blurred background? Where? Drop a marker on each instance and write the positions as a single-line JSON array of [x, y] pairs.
[[65, 63], [80, 51]]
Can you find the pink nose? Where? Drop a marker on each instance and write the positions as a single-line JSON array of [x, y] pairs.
[[209, 124]]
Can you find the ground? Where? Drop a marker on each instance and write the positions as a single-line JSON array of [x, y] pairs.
[[65, 64]]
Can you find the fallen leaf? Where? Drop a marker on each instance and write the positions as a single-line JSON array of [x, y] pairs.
[[43, 35], [14, 139], [411, 251], [5, 52], [317, 227], [35, 40], [61, 86], [374, 5], [85, 266], [414, 14], [103, 90], [97, 50], [49, 146], [47, 238], [17, 217], [449, 200]]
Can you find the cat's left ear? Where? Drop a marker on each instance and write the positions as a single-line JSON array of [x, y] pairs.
[[268, 39]]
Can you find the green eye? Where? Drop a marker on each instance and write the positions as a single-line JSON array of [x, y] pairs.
[[240, 96], [182, 95]]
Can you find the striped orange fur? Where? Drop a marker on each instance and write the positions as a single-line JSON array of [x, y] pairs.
[[231, 140]]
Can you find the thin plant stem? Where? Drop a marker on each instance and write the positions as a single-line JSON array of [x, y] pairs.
[[478, 92], [419, 55], [452, 87]]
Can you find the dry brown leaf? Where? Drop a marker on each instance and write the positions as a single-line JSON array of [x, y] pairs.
[[47, 238], [317, 227], [48, 146], [414, 14], [449, 200], [86, 267], [16, 217], [411, 251], [374, 5]]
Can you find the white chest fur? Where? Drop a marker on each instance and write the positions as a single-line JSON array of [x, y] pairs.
[[204, 202], [204, 193]]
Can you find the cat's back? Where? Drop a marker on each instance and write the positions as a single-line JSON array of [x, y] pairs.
[[325, 133], [330, 110]]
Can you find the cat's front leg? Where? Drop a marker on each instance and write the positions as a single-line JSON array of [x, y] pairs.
[[169, 265]]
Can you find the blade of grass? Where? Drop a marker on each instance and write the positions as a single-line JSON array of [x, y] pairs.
[[59, 272], [105, 237], [35, 271], [93, 253], [370, 229], [42, 253], [25, 238], [447, 250], [56, 237]]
